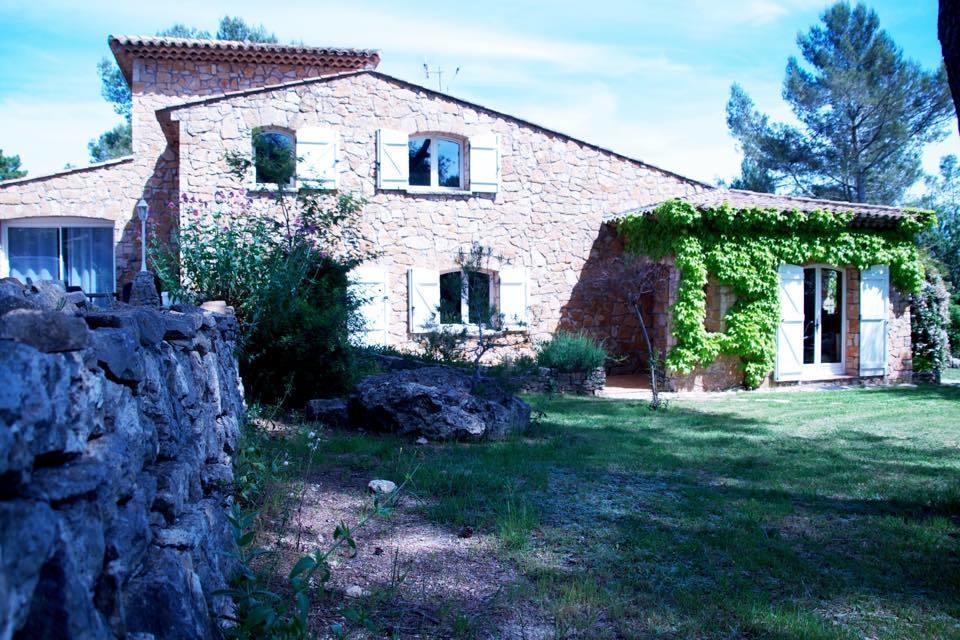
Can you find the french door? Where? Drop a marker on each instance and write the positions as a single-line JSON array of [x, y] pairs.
[[823, 320]]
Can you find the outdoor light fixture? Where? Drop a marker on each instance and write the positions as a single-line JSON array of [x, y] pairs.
[[143, 210]]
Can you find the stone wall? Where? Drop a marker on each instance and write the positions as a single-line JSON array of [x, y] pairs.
[[582, 383], [116, 435]]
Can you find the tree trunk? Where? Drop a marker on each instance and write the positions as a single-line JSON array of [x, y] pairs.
[[948, 30], [654, 385]]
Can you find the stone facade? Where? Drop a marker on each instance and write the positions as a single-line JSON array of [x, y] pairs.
[[194, 103], [116, 435], [547, 215], [111, 190]]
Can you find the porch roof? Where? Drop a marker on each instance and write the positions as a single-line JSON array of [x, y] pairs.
[[865, 215]]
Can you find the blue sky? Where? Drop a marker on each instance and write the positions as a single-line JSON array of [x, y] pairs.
[[649, 78]]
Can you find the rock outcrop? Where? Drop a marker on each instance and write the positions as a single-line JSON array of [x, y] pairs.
[[440, 403], [116, 434]]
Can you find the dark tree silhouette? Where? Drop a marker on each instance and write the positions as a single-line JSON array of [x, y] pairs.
[[948, 30]]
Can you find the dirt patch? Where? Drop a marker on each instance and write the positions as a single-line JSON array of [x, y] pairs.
[[417, 579]]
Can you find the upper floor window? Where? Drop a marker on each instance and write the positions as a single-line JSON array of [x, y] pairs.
[[274, 156], [435, 162]]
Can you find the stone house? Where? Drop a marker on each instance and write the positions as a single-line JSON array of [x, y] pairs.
[[438, 173]]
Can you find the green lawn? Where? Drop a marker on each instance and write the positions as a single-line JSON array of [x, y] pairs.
[[828, 514]]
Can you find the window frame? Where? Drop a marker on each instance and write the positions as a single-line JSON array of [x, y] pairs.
[[255, 185], [435, 162], [59, 223], [471, 327]]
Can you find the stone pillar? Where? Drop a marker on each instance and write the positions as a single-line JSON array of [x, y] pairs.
[[143, 293]]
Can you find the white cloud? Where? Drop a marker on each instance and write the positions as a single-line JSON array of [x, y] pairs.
[[48, 134]]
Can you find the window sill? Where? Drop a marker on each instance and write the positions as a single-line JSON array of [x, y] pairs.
[[473, 331], [438, 191], [271, 189]]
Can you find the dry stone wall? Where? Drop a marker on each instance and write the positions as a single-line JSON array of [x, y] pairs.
[[116, 435]]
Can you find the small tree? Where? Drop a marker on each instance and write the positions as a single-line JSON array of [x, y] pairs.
[[460, 343], [634, 279]]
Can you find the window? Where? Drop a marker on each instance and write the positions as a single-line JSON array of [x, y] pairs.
[[435, 162], [471, 302], [274, 157], [78, 254]]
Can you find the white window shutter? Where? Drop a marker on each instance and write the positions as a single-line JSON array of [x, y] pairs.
[[485, 163], [393, 159], [318, 150], [369, 285], [874, 297], [789, 363], [423, 299], [513, 297]]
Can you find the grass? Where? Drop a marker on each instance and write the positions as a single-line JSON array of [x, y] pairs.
[[951, 375], [820, 515]]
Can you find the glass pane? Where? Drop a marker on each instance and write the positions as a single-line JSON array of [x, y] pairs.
[[809, 315], [451, 294], [448, 163], [274, 157], [419, 149], [831, 311], [478, 297], [88, 258], [34, 253]]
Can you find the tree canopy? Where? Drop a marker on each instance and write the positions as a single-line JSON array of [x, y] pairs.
[[865, 113], [943, 196], [117, 142], [10, 167]]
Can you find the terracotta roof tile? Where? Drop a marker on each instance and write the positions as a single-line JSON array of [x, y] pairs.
[[126, 48], [864, 214]]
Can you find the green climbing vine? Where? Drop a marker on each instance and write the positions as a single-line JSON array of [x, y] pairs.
[[743, 248]]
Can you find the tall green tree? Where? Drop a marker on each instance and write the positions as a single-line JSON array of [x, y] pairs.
[[943, 196], [10, 167], [865, 114], [113, 86], [115, 143]]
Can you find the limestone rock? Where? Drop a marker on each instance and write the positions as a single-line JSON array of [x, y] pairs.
[[332, 413], [143, 293], [440, 403], [381, 486], [356, 591], [46, 331], [116, 352]]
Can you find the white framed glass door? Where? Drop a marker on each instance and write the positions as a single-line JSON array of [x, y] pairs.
[[79, 252], [823, 321]]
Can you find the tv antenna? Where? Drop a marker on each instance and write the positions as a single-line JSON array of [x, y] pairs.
[[438, 72]]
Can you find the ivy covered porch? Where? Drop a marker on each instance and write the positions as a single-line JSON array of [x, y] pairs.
[[765, 290]]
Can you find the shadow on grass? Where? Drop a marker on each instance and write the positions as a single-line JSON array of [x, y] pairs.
[[828, 515]]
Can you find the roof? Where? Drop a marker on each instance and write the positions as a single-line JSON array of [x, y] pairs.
[[65, 172], [126, 48], [430, 92], [865, 215]]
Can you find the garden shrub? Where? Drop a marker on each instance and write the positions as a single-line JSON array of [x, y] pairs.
[[929, 319], [283, 267], [953, 329], [571, 353]]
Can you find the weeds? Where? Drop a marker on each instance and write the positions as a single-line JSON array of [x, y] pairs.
[[261, 613]]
